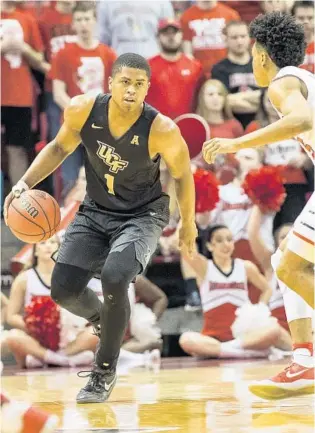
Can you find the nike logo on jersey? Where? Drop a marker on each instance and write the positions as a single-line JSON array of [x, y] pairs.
[[299, 373], [108, 385], [96, 127]]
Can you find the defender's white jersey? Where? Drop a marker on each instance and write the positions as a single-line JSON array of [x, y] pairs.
[[306, 139]]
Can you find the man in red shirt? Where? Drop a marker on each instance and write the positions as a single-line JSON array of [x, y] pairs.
[[55, 25], [21, 49], [80, 67], [175, 77], [303, 12], [203, 25]]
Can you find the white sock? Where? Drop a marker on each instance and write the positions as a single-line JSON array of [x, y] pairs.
[[234, 349], [56, 358], [303, 356]]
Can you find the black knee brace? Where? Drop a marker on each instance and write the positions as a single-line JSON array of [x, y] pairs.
[[68, 283], [117, 273]]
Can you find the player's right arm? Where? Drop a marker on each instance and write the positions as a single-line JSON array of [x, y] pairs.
[[50, 158]]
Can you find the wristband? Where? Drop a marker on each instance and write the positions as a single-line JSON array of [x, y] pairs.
[[19, 188]]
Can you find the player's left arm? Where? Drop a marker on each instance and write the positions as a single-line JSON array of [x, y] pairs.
[[255, 277], [286, 95], [167, 141]]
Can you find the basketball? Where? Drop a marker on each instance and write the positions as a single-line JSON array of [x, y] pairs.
[[34, 216]]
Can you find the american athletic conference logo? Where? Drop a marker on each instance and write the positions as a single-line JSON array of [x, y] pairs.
[[108, 155]]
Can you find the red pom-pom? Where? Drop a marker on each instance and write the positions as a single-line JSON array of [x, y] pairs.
[[207, 190], [265, 188], [42, 319]]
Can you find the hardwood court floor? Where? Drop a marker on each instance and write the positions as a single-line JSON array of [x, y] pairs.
[[185, 397]]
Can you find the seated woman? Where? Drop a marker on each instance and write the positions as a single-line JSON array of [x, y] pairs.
[[223, 283], [29, 292]]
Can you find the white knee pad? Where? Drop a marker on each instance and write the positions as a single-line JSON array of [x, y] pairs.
[[295, 306]]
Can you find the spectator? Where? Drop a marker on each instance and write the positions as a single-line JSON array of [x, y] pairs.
[[214, 107], [29, 286], [132, 26], [78, 68], [203, 25], [175, 77], [236, 73], [55, 25], [292, 158], [223, 289], [179, 7], [21, 49], [277, 5], [247, 10], [304, 14]]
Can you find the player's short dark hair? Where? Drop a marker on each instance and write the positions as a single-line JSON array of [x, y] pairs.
[[131, 60], [281, 36], [84, 6], [302, 4], [234, 23]]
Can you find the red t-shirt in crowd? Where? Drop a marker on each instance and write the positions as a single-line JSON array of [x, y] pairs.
[[204, 29], [309, 61], [83, 70], [56, 30], [248, 10], [231, 128], [16, 77], [174, 85]]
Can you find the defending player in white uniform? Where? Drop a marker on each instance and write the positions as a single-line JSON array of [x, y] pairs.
[[278, 51]]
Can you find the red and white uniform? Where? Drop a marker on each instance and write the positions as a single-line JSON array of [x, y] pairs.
[[221, 295], [35, 286], [276, 304], [302, 236], [234, 209]]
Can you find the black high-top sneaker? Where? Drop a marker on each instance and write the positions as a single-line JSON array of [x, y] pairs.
[[99, 387]]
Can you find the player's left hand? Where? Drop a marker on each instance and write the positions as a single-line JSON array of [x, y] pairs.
[[215, 146], [187, 234]]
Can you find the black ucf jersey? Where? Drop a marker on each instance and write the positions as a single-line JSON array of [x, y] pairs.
[[120, 174]]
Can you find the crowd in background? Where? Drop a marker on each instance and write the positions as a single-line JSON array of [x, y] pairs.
[[200, 57]]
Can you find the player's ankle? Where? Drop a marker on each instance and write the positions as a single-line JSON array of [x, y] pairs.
[[303, 354]]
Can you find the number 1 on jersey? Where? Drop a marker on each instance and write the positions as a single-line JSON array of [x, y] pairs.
[[110, 183]]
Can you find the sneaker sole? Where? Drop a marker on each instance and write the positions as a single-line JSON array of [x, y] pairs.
[[95, 400], [268, 392]]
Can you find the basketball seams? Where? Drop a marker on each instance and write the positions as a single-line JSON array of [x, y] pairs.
[[53, 202], [26, 225], [49, 227], [29, 220], [27, 234]]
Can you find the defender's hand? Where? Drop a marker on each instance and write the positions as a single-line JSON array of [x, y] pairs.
[[17, 190], [187, 237], [215, 146]]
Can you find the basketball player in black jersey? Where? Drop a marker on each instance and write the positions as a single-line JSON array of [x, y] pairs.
[[118, 225]]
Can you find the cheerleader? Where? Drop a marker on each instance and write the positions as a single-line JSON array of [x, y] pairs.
[[234, 209], [43, 333], [227, 311]]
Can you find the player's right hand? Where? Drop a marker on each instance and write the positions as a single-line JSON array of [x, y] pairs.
[[16, 192], [187, 238]]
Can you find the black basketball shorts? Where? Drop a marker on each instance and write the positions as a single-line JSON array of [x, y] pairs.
[[95, 233]]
